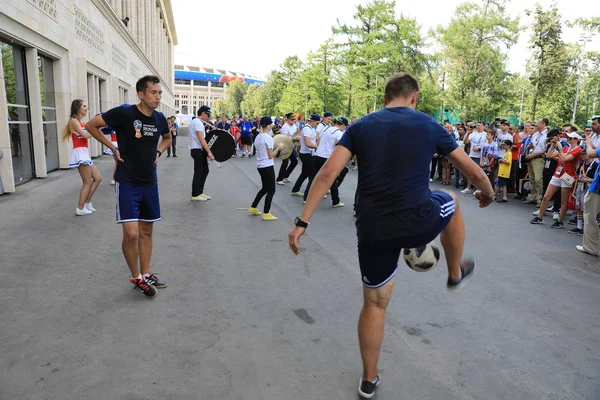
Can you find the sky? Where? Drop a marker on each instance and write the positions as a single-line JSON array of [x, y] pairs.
[[253, 37]]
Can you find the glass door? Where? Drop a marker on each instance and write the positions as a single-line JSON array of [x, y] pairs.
[[19, 120], [48, 112]]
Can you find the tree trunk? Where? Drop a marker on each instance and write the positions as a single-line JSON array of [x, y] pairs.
[[535, 99]]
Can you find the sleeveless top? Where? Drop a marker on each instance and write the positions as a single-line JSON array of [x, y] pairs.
[[78, 140]]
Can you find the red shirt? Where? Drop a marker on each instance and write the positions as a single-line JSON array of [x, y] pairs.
[[569, 166], [516, 151]]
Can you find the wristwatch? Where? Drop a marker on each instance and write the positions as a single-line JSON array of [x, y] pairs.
[[300, 223]]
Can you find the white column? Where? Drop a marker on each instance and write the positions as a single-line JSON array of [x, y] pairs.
[[6, 168], [118, 9], [62, 91], [35, 110]]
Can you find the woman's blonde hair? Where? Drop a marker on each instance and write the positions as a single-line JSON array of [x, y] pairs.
[[75, 107]]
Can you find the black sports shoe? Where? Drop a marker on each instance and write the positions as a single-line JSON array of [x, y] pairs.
[[467, 268], [153, 280], [144, 286], [536, 221], [366, 389], [557, 225], [575, 230], [572, 221]]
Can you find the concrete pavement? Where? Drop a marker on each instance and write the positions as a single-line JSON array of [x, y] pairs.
[[243, 318]]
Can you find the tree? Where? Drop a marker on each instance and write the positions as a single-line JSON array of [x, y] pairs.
[[474, 52], [548, 64], [378, 45], [234, 95], [252, 103]]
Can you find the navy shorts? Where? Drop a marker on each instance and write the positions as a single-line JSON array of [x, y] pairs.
[[137, 203], [378, 260], [502, 182]]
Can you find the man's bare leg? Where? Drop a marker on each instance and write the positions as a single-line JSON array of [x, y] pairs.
[[370, 326], [145, 246], [130, 246], [453, 241]]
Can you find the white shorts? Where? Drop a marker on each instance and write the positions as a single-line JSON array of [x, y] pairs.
[[80, 156], [557, 182]]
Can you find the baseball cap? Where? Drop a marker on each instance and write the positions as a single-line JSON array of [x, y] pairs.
[[574, 135], [266, 121], [204, 109], [315, 117], [327, 114], [291, 115], [341, 120]]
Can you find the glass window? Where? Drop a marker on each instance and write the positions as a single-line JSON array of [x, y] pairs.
[[48, 113], [19, 126]]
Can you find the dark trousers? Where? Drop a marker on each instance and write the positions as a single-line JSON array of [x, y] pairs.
[[318, 163], [513, 180], [267, 177], [521, 173], [200, 171], [173, 145], [284, 170], [434, 163], [547, 174], [307, 167]]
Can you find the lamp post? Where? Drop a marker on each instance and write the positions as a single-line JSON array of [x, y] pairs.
[[583, 38]]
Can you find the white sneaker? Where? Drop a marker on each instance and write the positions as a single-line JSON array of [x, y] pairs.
[[325, 196], [199, 198], [83, 211], [430, 180], [89, 207], [281, 183], [465, 191], [550, 208], [286, 180], [112, 182], [207, 197], [537, 212], [556, 216]]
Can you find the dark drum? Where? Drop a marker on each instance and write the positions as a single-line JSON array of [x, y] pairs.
[[221, 144]]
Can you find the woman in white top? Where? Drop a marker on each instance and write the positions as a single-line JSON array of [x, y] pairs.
[[265, 165]]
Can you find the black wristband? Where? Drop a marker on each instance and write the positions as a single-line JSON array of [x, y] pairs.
[[159, 152]]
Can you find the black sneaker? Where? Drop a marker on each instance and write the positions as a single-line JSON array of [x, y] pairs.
[[174, 155], [536, 221], [366, 389], [467, 268], [576, 230], [572, 221], [557, 225], [144, 286], [155, 282], [580, 233]]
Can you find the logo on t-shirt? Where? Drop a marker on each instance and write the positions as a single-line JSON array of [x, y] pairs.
[[137, 125]]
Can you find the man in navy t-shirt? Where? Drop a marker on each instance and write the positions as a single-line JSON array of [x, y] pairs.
[[394, 207], [139, 129]]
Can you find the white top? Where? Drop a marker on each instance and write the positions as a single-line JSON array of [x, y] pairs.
[[539, 141], [477, 139], [320, 128], [196, 125], [308, 132], [329, 139], [500, 138], [288, 129], [262, 143]]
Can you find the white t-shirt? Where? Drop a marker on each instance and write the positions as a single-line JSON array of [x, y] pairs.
[[262, 143], [329, 139], [320, 128], [477, 140], [539, 141], [196, 125], [500, 138], [288, 129], [308, 132]]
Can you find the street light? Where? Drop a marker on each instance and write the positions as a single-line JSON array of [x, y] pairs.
[[583, 38]]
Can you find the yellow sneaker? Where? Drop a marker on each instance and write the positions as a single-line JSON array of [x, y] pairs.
[[207, 197], [254, 211], [269, 217], [199, 198]]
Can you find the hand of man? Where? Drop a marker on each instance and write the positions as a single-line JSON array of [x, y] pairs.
[[527, 156], [294, 239], [484, 200], [211, 157], [117, 156]]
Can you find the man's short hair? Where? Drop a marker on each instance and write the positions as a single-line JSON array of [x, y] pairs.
[[142, 83], [546, 121], [596, 117], [402, 85]]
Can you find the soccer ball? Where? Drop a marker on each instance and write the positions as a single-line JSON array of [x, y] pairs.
[[423, 258]]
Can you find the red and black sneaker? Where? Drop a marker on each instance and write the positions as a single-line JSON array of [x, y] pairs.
[[145, 286], [152, 279], [467, 269]]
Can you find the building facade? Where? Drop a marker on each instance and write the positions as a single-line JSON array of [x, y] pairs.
[[199, 86], [56, 51]]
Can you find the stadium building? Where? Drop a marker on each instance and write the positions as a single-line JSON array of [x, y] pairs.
[[198, 86]]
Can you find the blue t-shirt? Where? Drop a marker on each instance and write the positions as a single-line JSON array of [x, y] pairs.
[[595, 185], [138, 154], [393, 147], [246, 128]]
